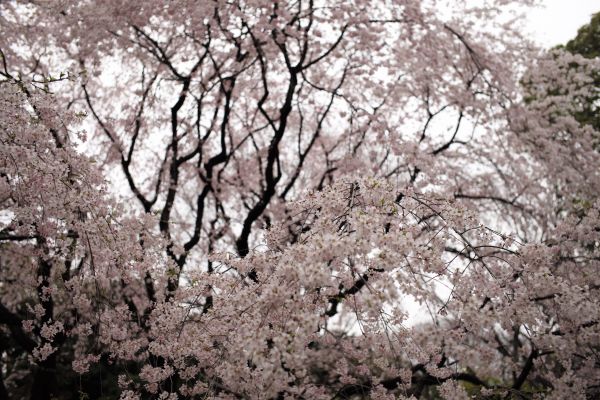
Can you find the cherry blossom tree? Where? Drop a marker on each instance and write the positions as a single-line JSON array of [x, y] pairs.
[[69, 257], [239, 199]]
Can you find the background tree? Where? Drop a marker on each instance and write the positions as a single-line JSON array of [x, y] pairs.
[[587, 43]]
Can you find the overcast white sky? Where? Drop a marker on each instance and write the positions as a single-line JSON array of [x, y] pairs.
[[559, 20]]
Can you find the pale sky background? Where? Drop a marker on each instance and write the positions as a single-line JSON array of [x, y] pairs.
[[557, 22]]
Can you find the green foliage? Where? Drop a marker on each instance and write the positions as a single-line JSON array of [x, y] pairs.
[[587, 41]]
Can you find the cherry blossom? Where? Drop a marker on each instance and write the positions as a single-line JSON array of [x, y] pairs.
[[241, 199]]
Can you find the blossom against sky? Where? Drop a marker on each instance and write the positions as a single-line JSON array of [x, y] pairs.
[[557, 21]]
